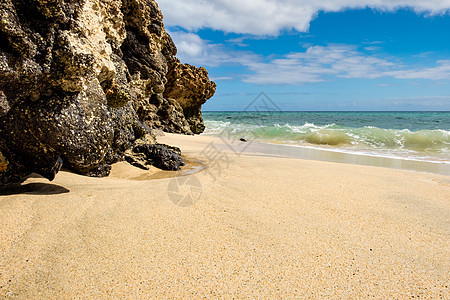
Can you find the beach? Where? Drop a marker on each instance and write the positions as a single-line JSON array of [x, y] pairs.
[[229, 225]]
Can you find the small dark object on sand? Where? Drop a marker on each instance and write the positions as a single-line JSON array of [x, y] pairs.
[[243, 140]]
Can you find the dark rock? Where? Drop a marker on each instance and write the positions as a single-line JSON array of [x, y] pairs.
[[81, 81], [243, 140], [161, 156]]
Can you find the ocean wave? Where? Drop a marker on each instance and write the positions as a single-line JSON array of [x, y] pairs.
[[366, 138]]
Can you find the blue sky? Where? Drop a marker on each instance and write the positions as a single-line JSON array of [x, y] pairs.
[[305, 55]]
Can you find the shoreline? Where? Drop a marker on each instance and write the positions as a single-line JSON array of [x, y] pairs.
[[244, 227], [397, 135], [311, 153]]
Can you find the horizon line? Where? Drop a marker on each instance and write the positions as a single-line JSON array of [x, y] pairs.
[[411, 111]]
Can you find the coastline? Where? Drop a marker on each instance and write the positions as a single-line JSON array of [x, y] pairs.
[[258, 226], [419, 136], [312, 153]]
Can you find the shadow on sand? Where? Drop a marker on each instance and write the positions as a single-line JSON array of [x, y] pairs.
[[32, 189]]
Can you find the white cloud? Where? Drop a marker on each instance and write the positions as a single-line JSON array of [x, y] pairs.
[[436, 103], [373, 42], [239, 41], [372, 48], [319, 63], [222, 78], [191, 44], [269, 17], [316, 64], [441, 71], [194, 50], [324, 63]]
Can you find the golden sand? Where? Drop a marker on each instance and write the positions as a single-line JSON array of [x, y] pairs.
[[243, 227]]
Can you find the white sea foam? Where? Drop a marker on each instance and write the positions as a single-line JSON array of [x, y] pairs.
[[423, 145]]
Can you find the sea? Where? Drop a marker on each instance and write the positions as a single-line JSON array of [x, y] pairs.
[[418, 136]]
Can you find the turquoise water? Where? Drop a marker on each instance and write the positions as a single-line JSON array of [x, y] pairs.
[[423, 136]]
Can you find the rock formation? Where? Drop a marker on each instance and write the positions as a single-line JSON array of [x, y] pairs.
[[191, 88], [82, 80]]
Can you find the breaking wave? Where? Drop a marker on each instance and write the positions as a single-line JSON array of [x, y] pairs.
[[365, 139]]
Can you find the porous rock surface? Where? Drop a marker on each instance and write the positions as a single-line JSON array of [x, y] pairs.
[[82, 80]]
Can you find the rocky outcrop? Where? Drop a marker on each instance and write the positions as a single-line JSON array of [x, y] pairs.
[[191, 88], [82, 80]]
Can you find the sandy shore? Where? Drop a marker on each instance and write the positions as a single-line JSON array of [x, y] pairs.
[[231, 226]]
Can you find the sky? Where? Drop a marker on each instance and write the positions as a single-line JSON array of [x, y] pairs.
[[310, 55]]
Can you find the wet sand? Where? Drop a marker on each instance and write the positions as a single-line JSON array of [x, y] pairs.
[[309, 153], [228, 225]]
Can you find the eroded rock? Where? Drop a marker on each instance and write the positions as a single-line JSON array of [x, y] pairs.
[[81, 81], [190, 87]]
